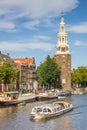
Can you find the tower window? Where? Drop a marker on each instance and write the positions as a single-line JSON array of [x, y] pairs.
[[58, 48], [63, 39], [66, 48], [63, 49], [62, 29]]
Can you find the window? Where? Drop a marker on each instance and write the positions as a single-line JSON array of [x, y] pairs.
[[63, 49], [62, 29], [39, 110], [63, 39], [45, 110], [49, 110]]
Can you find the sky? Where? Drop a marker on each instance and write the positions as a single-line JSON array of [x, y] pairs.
[[29, 28]]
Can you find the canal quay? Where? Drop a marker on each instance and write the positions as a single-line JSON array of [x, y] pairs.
[[18, 117]]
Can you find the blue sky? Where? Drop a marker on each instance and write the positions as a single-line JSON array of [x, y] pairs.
[[28, 28]]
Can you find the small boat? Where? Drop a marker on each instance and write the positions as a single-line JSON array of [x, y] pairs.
[[61, 96], [50, 110], [64, 94], [46, 96], [15, 97]]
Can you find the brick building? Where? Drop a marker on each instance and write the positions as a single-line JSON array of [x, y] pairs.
[[63, 57], [6, 58], [26, 72]]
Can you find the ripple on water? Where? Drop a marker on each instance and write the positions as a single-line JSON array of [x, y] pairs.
[[18, 118]]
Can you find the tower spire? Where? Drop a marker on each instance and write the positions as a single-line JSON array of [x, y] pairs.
[[62, 44], [62, 16]]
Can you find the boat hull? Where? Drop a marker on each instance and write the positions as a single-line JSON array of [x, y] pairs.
[[44, 98], [6, 103]]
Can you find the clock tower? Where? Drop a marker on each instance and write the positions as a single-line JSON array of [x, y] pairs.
[[63, 57]]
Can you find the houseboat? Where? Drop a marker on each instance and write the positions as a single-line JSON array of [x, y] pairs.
[[15, 97]]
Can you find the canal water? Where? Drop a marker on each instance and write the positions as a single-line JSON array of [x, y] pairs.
[[18, 117]]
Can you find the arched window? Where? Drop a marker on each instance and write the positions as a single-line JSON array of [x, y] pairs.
[[63, 49], [63, 39], [62, 28]]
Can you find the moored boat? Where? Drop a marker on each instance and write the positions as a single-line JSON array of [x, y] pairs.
[[61, 96], [50, 110], [46, 96], [64, 94], [15, 97]]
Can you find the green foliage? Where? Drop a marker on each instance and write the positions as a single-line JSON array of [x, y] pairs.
[[2, 73], [0, 60], [48, 71], [79, 76], [8, 73]]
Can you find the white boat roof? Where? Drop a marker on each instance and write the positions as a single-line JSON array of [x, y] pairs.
[[11, 92], [49, 106]]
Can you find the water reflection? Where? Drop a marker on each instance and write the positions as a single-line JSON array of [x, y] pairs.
[[66, 123], [18, 118]]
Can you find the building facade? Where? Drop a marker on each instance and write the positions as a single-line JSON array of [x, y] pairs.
[[26, 72], [5, 58], [63, 57]]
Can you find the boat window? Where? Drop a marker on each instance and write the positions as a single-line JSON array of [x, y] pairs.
[[57, 105], [34, 110], [45, 110], [49, 110], [39, 109]]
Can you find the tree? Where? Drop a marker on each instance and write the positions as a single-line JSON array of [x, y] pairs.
[[8, 73], [79, 76], [2, 74], [48, 72]]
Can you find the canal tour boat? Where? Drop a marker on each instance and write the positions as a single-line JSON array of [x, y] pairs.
[[15, 97], [50, 110]]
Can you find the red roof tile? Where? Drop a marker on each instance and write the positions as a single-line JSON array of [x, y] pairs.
[[24, 60]]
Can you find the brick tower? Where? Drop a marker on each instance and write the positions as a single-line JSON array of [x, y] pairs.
[[63, 57]]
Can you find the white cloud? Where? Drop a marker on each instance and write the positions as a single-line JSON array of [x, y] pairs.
[[41, 45], [32, 24], [7, 25], [39, 8], [20, 46], [79, 43], [41, 37], [11, 10], [79, 28]]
